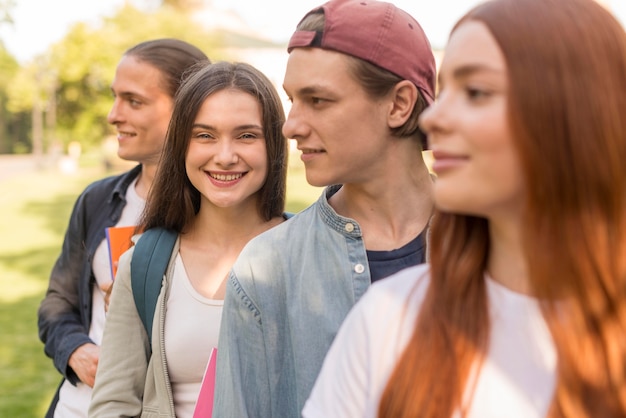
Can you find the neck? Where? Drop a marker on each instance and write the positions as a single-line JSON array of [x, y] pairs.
[[507, 263], [145, 179], [227, 227], [390, 211]]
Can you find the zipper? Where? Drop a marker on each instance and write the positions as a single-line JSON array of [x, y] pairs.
[[168, 384]]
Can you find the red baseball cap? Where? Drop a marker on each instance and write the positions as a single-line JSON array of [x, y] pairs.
[[377, 32]]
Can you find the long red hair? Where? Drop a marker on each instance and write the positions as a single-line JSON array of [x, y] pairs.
[[566, 63]]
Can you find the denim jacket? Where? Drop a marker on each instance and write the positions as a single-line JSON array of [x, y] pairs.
[[287, 294], [64, 315]]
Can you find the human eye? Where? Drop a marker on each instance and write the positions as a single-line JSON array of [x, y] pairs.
[[249, 136], [317, 100], [475, 94], [202, 136], [134, 102]]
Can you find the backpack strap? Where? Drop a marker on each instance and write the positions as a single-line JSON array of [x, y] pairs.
[[148, 264]]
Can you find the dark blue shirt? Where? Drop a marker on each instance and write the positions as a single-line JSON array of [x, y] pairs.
[[386, 263]]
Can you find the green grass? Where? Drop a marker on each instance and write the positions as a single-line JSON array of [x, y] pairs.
[[34, 211]]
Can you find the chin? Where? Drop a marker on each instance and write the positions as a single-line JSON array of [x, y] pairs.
[[317, 182], [452, 203], [126, 156]]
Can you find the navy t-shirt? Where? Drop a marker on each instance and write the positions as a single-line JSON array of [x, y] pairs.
[[386, 263]]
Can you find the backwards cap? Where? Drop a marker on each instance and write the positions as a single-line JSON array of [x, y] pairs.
[[377, 32]]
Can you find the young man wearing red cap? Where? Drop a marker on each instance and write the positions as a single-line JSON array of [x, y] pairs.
[[359, 74]]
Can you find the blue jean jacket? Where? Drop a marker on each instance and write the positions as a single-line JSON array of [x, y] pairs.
[[287, 295]]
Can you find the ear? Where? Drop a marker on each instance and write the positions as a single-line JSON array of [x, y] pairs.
[[403, 98]]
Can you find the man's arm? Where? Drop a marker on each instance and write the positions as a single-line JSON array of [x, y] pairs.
[[59, 322]]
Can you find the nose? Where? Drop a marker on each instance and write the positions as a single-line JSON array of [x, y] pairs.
[[433, 119], [427, 118], [295, 126], [226, 154], [115, 115]]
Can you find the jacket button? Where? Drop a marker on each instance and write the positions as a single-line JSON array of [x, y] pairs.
[[359, 268], [349, 227]]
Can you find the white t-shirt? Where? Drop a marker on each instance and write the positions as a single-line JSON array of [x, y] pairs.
[[516, 380], [74, 400], [192, 326]]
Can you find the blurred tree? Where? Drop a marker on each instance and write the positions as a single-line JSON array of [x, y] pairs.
[[10, 124], [29, 92], [71, 81], [5, 11], [184, 5]]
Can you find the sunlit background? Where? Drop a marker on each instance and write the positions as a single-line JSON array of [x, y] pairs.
[[38, 23], [57, 59]]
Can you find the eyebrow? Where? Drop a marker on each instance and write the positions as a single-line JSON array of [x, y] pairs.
[[240, 127], [470, 69], [127, 94], [310, 90]]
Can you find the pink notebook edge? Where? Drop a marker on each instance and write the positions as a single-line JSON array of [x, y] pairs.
[[204, 404]]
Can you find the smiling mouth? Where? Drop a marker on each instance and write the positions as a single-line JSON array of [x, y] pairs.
[[311, 151], [226, 177]]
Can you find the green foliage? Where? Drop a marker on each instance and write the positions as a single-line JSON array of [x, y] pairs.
[[75, 73], [8, 67], [9, 123], [5, 11], [85, 62], [22, 90]]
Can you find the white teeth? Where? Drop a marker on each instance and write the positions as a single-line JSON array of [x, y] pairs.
[[226, 177]]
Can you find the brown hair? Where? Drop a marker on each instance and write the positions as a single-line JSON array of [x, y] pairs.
[[565, 106], [173, 200], [172, 57], [376, 81]]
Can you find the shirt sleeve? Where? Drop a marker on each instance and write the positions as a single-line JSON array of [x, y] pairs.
[[60, 326]]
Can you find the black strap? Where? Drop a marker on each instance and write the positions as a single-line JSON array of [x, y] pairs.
[[150, 259]]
